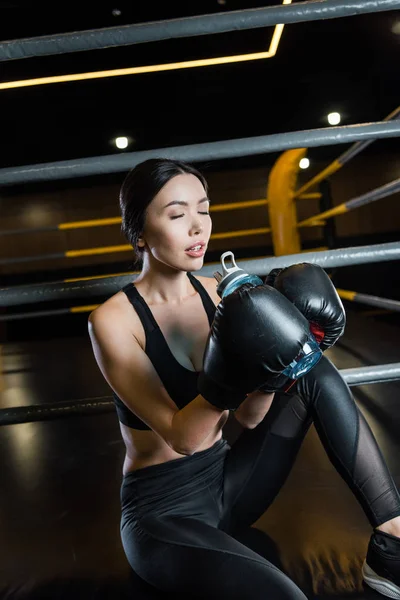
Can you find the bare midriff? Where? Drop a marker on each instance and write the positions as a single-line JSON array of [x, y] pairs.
[[146, 448]]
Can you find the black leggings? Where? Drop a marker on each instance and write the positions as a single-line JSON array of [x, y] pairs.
[[179, 518]]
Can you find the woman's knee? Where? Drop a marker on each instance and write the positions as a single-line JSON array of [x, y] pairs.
[[188, 556], [324, 377]]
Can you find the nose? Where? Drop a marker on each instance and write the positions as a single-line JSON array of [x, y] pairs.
[[197, 226]]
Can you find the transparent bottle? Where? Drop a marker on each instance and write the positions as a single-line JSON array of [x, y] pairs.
[[233, 277]]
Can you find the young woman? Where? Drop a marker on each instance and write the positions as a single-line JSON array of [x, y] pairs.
[[185, 490]]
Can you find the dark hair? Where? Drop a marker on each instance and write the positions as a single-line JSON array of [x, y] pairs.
[[138, 189]]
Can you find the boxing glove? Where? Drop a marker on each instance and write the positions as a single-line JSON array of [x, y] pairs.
[[314, 295], [256, 333]]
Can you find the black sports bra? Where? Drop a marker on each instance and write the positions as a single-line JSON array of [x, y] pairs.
[[180, 383]]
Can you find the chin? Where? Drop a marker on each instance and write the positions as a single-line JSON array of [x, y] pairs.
[[195, 264], [197, 267], [192, 265]]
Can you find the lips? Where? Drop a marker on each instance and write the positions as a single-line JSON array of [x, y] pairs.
[[201, 244]]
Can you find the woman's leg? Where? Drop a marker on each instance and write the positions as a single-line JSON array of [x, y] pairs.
[[260, 460], [186, 555], [349, 442]]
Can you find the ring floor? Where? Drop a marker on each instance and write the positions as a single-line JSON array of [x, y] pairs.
[[60, 479]]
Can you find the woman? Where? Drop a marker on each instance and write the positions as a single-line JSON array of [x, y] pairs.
[[185, 491]]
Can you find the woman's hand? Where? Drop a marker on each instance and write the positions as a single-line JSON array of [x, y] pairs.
[[252, 410]]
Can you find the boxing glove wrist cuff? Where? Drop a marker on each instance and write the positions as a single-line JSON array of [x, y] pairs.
[[218, 396], [278, 383]]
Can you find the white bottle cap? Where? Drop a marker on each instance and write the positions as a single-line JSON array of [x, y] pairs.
[[229, 274]]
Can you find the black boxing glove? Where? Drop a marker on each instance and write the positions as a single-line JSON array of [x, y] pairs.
[[255, 335], [314, 295]]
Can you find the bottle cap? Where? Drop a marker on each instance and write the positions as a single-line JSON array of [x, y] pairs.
[[228, 274]]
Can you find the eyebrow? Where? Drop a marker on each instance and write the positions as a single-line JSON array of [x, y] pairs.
[[182, 203]]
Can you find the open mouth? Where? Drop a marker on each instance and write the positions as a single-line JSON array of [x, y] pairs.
[[196, 249]]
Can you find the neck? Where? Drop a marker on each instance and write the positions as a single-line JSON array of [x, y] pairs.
[[162, 284]]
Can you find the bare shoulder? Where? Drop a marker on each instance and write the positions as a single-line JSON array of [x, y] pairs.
[[117, 314], [112, 307], [210, 285]]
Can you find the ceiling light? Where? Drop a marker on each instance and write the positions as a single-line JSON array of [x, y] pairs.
[[121, 142], [116, 12], [304, 163], [396, 28], [334, 118]]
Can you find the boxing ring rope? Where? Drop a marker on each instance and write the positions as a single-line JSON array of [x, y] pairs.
[[374, 374], [382, 192], [105, 404], [377, 301], [343, 159], [207, 151], [341, 257], [96, 39], [387, 303]]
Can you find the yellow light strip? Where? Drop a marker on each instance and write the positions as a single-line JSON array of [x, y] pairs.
[[188, 64], [100, 250], [133, 70], [80, 309], [90, 223], [75, 279]]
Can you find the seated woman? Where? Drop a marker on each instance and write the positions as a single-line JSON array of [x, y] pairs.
[[185, 490]]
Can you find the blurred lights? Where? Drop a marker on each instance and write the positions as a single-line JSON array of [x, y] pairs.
[[304, 163], [334, 118], [37, 215], [396, 28], [121, 142]]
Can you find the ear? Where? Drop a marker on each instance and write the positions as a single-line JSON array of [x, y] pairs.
[[141, 243]]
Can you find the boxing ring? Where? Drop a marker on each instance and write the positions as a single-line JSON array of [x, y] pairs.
[[282, 193]]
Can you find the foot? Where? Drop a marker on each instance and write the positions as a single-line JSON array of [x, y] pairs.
[[381, 568]]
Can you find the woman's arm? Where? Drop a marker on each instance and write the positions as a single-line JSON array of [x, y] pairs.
[[252, 411], [130, 373]]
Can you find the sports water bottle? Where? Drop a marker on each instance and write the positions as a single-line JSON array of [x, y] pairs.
[[233, 277]]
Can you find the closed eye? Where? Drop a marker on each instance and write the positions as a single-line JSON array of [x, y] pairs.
[[179, 216]]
